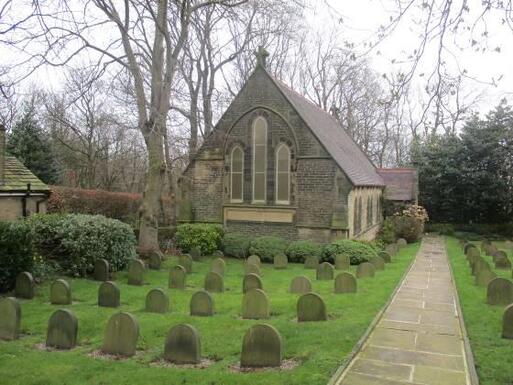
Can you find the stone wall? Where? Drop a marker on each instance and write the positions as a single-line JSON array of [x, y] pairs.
[[11, 207], [369, 223]]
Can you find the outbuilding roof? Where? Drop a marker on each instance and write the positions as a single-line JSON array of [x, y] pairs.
[[17, 176], [401, 183]]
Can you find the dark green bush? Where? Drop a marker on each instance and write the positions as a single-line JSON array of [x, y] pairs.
[[299, 250], [206, 236], [356, 251], [75, 241], [268, 247], [387, 231], [236, 245], [16, 252], [440, 228], [376, 244], [166, 236]]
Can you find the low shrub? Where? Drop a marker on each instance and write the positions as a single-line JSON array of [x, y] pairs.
[[16, 252], [75, 241], [267, 247], [376, 244], [387, 231], [357, 252], [206, 236], [236, 245], [299, 250]]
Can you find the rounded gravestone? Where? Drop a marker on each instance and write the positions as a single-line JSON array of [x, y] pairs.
[[185, 260], [345, 283], [157, 301], [218, 266], [182, 345], [401, 242], [484, 277], [499, 292], [280, 262], [300, 285], [364, 270], [25, 286], [136, 272], [62, 330], [254, 259], [255, 305], [155, 261], [60, 292], [507, 322], [503, 263], [468, 246], [311, 307], [214, 283], [325, 271], [378, 263], [121, 335], [108, 294], [392, 249], [177, 277], [195, 253], [311, 262], [101, 270], [218, 254], [473, 252], [250, 282], [202, 304], [10, 318], [386, 257], [251, 268], [478, 264], [342, 262], [261, 347], [499, 254]]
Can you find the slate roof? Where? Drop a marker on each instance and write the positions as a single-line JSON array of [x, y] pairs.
[[401, 183], [17, 176], [339, 144]]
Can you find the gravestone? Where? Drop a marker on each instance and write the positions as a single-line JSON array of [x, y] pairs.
[[182, 345], [386, 257], [499, 292], [254, 259], [25, 286], [219, 266], [108, 294], [508, 245], [157, 301], [255, 305], [503, 263], [401, 242], [311, 307], [250, 282], [202, 304], [378, 263], [251, 268], [473, 252], [392, 249], [468, 246], [60, 292], [185, 260], [101, 270], [300, 285], [261, 347], [325, 271], [485, 243], [490, 249], [177, 277], [136, 272], [10, 318], [195, 253], [214, 282], [345, 283], [478, 264], [155, 261], [342, 262], [280, 262], [499, 254], [121, 335], [311, 262], [364, 270], [62, 330], [483, 277], [507, 322], [218, 254]]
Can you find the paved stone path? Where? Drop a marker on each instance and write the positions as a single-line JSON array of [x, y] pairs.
[[418, 339]]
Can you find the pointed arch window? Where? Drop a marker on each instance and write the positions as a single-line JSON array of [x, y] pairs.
[[237, 175], [259, 160], [283, 174]]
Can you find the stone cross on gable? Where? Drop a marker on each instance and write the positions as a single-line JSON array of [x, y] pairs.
[[261, 55]]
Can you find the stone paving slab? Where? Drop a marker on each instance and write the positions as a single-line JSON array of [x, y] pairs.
[[418, 339]]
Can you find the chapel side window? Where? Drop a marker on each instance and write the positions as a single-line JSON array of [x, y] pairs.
[[259, 159], [356, 225], [283, 174], [236, 174]]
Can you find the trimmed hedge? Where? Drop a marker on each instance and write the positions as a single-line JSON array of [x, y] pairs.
[[236, 245], [357, 252], [299, 250], [16, 252], [267, 247], [206, 236]]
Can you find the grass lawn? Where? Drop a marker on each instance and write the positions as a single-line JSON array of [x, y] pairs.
[[319, 347], [493, 354]]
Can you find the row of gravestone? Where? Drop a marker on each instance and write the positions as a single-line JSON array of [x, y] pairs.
[[261, 346], [499, 291]]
